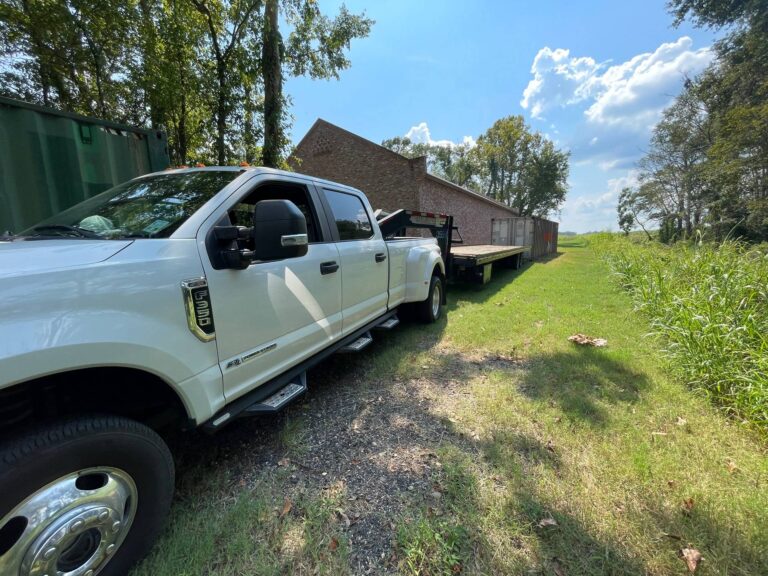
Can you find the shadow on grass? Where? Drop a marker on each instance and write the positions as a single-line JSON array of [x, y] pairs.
[[568, 547], [580, 380], [368, 428]]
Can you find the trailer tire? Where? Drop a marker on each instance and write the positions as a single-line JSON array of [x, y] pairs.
[[430, 309], [82, 495]]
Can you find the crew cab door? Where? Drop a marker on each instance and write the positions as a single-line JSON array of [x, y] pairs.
[[363, 257], [272, 315]]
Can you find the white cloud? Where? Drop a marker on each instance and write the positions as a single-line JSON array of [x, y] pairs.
[[557, 79], [631, 94], [596, 211], [420, 135]]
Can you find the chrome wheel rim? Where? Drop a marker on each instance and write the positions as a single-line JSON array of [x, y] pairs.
[[71, 527], [436, 298]]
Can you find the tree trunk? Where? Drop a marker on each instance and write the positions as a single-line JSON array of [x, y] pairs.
[[273, 86], [221, 113], [182, 131], [249, 140]]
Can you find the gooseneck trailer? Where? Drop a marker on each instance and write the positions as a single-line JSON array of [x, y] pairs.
[[464, 263]]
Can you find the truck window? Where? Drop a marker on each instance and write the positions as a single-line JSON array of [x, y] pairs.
[[241, 213], [151, 207], [351, 217]]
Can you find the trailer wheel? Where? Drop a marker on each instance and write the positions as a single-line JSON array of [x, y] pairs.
[[82, 496], [429, 310]]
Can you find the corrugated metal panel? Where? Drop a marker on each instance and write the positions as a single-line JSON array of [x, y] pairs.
[[538, 233], [50, 160]]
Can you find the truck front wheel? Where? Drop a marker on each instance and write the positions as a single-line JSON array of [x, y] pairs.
[[83, 497], [429, 310]]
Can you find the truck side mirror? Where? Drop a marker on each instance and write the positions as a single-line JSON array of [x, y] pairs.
[[279, 230]]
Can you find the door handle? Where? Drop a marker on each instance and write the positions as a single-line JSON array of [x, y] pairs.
[[380, 257], [328, 267]]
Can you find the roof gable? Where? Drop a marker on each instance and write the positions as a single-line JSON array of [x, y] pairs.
[[321, 124]]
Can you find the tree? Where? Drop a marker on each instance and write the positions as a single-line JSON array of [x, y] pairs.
[[208, 71], [316, 46], [510, 164], [734, 90], [522, 169], [68, 53], [227, 24], [672, 178], [633, 209], [456, 163]]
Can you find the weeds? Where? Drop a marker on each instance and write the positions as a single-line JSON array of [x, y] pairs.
[[431, 543], [710, 303]]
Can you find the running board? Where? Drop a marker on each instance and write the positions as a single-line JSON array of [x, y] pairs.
[[388, 324], [279, 399], [357, 345]]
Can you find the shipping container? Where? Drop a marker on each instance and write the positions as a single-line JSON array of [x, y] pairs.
[[50, 160], [537, 234]]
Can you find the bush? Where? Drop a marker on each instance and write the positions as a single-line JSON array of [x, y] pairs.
[[709, 302]]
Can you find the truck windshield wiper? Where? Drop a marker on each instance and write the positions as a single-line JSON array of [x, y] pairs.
[[64, 230]]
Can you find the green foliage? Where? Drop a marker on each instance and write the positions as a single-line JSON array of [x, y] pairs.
[[626, 210], [193, 67], [708, 159], [522, 168], [710, 304], [510, 164], [431, 546]]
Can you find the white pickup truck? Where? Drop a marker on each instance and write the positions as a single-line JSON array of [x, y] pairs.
[[179, 299]]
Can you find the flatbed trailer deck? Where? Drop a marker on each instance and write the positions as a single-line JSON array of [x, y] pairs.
[[469, 263], [475, 263]]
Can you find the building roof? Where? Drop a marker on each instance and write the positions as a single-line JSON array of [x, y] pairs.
[[320, 122]]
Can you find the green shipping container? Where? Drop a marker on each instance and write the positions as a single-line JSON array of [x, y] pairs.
[[50, 160]]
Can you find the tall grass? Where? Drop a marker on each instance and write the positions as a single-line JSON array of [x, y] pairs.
[[709, 302]]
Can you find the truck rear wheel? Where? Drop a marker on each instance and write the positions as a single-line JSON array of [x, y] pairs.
[[82, 497], [429, 310]]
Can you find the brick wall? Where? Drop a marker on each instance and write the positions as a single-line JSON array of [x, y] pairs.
[[392, 181], [388, 179], [472, 215]]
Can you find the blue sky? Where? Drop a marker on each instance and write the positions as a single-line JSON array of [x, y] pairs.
[[593, 76]]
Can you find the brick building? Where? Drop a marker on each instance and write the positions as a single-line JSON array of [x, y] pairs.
[[393, 181]]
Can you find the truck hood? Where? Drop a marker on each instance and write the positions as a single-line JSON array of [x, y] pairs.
[[32, 256]]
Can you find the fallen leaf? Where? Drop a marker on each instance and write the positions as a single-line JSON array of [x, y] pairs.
[[681, 421], [544, 522], [334, 544], [732, 466], [687, 506], [584, 340], [286, 507], [284, 462], [692, 558]]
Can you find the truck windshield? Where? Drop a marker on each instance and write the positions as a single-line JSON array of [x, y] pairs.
[[152, 207]]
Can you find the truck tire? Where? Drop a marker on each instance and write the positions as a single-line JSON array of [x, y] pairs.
[[429, 310], [84, 496]]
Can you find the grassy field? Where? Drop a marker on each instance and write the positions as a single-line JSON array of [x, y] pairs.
[[546, 458], [709, 303]]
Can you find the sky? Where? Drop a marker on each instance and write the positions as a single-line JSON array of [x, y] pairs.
[[592, 76]]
